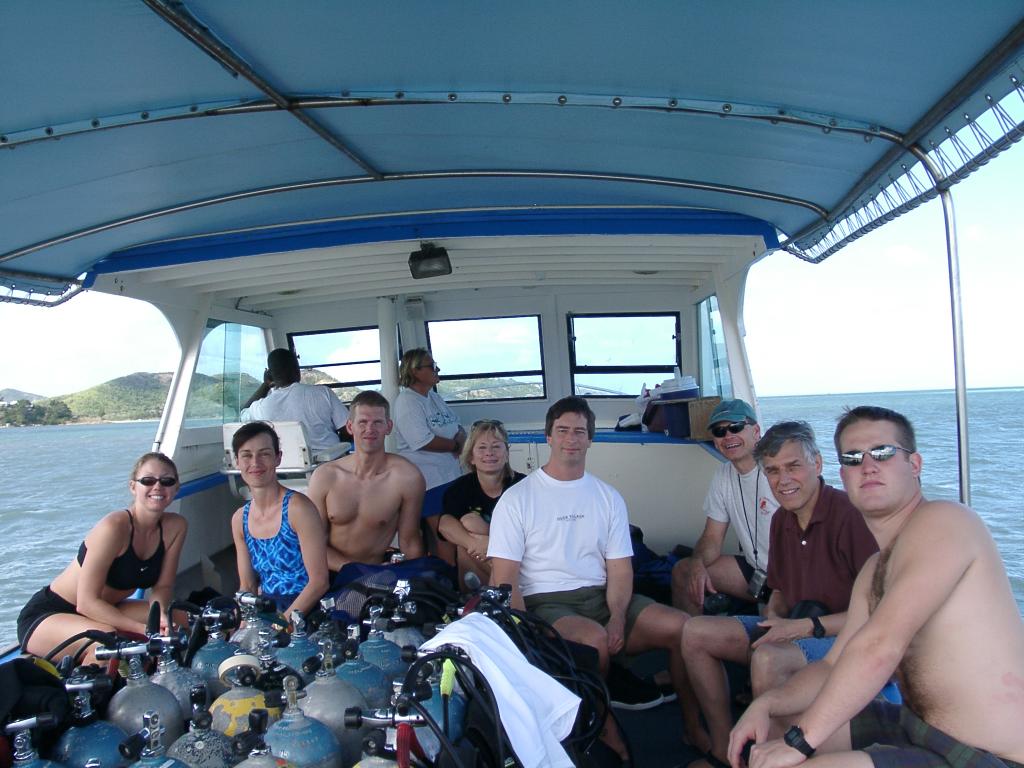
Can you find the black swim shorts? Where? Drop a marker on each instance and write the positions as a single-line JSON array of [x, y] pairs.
[[41, 605]]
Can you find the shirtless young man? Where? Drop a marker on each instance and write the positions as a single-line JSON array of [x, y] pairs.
[[365, 497], [934, 607]]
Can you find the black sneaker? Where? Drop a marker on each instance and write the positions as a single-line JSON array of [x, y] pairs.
[[627, 691]]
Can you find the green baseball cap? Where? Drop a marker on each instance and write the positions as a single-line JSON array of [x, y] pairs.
[[732, 410]]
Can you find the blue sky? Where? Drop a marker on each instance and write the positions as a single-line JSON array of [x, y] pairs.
[[874, 316]]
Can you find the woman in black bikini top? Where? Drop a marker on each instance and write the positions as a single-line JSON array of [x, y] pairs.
[[129, 549]]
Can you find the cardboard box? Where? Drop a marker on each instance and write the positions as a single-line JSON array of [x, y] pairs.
[[700, 412]]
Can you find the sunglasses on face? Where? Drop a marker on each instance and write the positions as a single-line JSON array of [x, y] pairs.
[[433, 366], [878, 453], [149, 481], [720, 430]]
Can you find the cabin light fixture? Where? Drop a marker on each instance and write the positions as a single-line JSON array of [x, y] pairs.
[[429, 261]]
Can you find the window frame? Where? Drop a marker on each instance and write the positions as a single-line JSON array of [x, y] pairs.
[[340, 384], [575, 368], [492, 374]]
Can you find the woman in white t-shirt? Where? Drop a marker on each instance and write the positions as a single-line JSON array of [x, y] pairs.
[[427, 432]]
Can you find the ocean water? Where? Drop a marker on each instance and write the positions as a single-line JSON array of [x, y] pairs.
[[55, 482]]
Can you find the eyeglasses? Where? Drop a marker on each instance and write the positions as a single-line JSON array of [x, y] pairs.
[[878, 453], [735, 428], [149, 481], [486, 423]]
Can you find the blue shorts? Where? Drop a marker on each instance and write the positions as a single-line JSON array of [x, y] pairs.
[[813, 648]]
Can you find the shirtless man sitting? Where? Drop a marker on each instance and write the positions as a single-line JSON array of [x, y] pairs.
[[934, 607], [369, 495]]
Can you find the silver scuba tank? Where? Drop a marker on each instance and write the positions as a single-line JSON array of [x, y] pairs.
[[89, 739], [148, 745], [375, 752], [366, 678], [140, 694], [178, 680], [202, 747], [326, 700], [25, 755], [301, 740], [404, 630], [247, 638], [298, 649]]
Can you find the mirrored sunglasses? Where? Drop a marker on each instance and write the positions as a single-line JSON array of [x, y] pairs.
[[878, 453]]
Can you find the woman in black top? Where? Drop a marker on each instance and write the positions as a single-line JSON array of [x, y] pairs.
[[129, 549], [470, 500]]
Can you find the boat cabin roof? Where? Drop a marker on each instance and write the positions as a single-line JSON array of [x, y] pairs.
[[157, 134]]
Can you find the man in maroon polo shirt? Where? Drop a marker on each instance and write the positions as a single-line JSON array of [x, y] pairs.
[[818, 543]]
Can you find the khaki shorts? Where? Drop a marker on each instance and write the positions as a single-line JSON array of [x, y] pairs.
[[588, 602]]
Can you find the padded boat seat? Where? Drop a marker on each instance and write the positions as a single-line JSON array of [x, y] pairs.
[[298, 460]]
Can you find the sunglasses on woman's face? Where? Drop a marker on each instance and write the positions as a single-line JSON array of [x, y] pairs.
[[149, 481]]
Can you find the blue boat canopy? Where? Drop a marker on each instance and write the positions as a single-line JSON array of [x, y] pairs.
[[150, 132]]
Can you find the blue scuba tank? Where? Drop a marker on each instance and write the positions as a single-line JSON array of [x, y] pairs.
[[89, 739], [202, 747], [148, 745], [366, 678], [25, 755], [252, 743], [380, 652], [299, 739], [443, 694], [299, 648]]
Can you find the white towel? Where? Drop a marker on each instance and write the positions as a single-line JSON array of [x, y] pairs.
[[536, 710]]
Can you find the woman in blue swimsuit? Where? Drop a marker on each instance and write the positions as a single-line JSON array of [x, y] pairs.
[[130, 549], [280, 538]]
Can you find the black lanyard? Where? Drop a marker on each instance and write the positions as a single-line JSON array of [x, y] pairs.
[[743, 507]]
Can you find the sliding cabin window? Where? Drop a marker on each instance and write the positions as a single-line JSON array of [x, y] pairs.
[[230, 367], [616, 355], [491, 358], [346, 359], [714, 363]]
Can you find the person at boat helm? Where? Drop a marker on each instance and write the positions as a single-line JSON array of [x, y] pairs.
[[283, 397], [819, 543], [278, 533], [739, 496], [94, 590], [934, 607], [560, 538], [367, 497]]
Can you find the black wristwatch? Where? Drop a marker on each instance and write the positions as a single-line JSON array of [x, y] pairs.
[[819, 628], [794, 737]]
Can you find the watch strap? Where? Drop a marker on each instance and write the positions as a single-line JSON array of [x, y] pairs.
[[794, 738]]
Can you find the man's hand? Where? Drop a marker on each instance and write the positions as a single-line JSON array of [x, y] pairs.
[[616, 630], [752, 726], [700, 581], [782, 630], [775, 754]]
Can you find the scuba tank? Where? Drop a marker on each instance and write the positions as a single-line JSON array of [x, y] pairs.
[[202, 747], [256, 683], [327, 698], [147, 745], [329, 629], [366, 678], [443, 695], [139, 694], [247, 638], [298, 649], [375, 752], [89, 740], [403, 618], [380, 652], [218, 616], [301, 740], [175, 678], [252, 743], [25, 755]]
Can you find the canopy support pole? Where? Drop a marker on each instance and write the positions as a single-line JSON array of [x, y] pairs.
[[956, 313]]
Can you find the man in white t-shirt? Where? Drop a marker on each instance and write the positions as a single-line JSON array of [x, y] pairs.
[[739, 496], [282, 397], [560, 537]]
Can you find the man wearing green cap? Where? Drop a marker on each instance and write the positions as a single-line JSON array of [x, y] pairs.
[[739, 496]]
